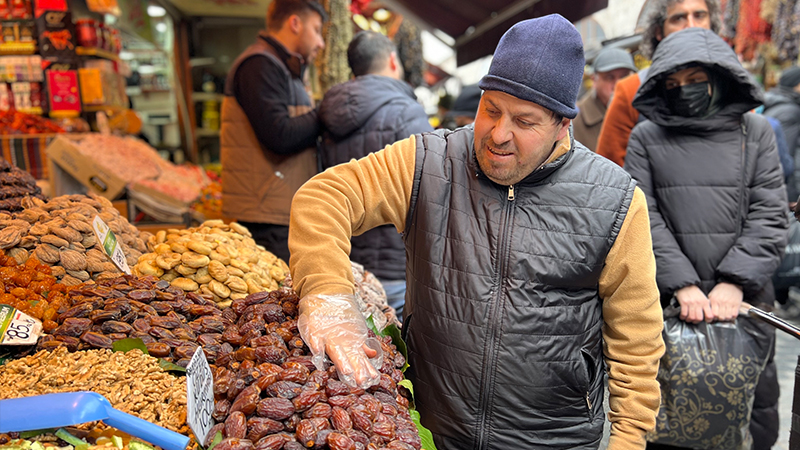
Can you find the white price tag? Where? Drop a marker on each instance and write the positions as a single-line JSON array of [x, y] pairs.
[[110, 244], [199, 395], [18, 328]]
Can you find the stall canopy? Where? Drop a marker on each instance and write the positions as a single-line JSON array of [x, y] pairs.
[[477, 25]]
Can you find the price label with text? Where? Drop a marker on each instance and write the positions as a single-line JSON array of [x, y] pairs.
[[200, 395], [110, 244], [18, 328]]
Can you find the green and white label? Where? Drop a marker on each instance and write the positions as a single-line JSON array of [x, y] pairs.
[[110, 244], [18, 328]]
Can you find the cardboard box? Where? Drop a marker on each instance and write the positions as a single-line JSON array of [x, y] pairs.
[[67, 160]]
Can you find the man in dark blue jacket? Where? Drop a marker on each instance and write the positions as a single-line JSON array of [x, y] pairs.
[[363, 115]]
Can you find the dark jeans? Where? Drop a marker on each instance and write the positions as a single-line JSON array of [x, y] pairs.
[[274, 238]]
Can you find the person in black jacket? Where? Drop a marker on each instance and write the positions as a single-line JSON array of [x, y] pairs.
[[714, 187], [783, 103], [363, 115]]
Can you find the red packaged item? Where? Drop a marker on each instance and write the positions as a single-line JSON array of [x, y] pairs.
[[63, 94], [5, 11], [86, 31], [21, 9]]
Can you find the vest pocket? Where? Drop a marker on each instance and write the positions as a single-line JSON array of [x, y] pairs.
[[589, 374]]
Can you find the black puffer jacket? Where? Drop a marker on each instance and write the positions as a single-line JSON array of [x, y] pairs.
[[784, 105], [361, 116], [714, 186]]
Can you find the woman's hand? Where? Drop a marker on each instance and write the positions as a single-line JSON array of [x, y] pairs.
[[695, 306]]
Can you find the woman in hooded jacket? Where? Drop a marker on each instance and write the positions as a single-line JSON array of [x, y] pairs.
[[716, 197]]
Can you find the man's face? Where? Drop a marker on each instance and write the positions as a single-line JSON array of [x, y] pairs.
[[513, 137], [686, 14], [310, 36], [604, 83]]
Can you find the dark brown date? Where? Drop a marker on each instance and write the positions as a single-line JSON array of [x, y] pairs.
[[142, 325], [338, 441], [297, 375], [161, 307], [340, 419], [275, 408], [258, 427], [307, 430], [284, 389], [318, 410], [204, 310], [184, 333], [272, 354], [247, 400], [96, 340], [306, 399], [73, 326], [221, 409], [276, 441], [400, 445], [161, 333], [209, 339], [141, 295], [164, 322], [290, 424], [342, 401], [158, 349], [186, 350], [79, 311], [236, 425], [101, 315], [244, 354], [210, 324], [218, 428], [273, 313], [146, 338], [113, 326]]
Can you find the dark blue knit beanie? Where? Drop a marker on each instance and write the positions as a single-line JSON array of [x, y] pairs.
[[539, 60]]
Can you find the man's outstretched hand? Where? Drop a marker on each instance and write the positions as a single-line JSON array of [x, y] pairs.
[[333, 324]]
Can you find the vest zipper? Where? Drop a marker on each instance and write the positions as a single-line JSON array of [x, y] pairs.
[[494, 320]]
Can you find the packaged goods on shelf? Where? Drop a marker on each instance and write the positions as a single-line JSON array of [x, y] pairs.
[[215, 259], [59, 233], [15, 186]]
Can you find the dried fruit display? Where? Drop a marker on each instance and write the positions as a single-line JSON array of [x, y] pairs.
[[15, 122], [59, 233], [132, 382], [15, 186], [31, 288], [269, 395], [215, 259], [170, 322]]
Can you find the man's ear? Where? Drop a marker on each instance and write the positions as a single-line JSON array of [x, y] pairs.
[[659, 34], [295, 23], [562, 133], [393, 61]]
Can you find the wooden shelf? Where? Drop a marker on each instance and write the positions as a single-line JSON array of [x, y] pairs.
[[202, 132], [88, 51], [104, 108], [17, 48], [207, 96]]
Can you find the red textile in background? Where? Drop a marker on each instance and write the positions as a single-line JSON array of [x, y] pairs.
[[751, 30]]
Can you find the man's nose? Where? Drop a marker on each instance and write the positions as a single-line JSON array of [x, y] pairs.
[[692, 22], [501, 132]]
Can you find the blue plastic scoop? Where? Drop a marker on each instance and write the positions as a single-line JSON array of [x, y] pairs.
[[73, 408]]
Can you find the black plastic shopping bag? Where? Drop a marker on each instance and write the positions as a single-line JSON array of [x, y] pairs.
[[708, 378]]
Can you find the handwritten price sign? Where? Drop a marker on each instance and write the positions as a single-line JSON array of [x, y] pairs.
[[110, 244], [200, 395]]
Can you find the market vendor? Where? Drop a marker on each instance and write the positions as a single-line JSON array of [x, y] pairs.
[[268, 141], [530, 263]]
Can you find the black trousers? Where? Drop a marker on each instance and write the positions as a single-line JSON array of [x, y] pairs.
[[274, 238]]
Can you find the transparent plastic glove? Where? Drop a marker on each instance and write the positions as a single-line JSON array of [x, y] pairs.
[[333, 324]]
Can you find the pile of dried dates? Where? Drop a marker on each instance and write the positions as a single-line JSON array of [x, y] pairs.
[[15, 186], [59, 233], [169, 321], [269, 395]]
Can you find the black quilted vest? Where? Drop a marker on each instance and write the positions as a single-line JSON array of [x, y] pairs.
[[503, 313]]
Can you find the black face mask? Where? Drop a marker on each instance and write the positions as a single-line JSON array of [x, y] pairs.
[[691, 100]]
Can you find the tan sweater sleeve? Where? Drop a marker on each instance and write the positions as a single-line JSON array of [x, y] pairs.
[[632, 329], [343, 201]]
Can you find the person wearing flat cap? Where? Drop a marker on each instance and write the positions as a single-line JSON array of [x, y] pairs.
[[610, 66], [530, 270]]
